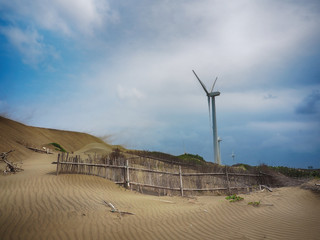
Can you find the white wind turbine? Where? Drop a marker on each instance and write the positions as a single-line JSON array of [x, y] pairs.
[[219, 152], [212, 95], [233, 156]]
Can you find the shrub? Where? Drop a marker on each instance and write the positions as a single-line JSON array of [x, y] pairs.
[[297, 173], [58, 147], [116, 154], [234, 198], [191, 158], [255, 204]]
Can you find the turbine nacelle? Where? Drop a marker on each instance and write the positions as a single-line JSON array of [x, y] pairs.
[[213, 94]]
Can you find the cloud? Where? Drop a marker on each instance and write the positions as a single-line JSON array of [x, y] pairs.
[[131, 68], [269, 96], [65, 17], [29, 44], [310, 104], [4, 108], [129, 93], [282, 126], [277, 141], [240, 38]]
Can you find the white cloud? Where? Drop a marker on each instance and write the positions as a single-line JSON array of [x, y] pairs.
[[255, 101], [67, 17], [138, 78], [29, 44], [231, 34], [129, 93]]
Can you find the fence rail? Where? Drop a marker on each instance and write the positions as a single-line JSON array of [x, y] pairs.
[[132, 176]]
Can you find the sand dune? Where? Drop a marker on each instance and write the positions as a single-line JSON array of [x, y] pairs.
[[95, 148], [15, 135], [36, 204]]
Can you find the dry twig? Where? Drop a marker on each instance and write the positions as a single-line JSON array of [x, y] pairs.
[[114, 209], [11, 167]]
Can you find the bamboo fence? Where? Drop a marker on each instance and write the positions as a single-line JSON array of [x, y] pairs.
[[162, 178]]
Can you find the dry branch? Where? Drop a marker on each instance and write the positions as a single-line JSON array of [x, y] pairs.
[[266, 187], [114, 209], [11, 167], [46, 150]]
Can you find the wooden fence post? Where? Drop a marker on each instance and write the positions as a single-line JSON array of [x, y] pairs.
[[106, 171], [181, 186], [228, 182], [78, 166], [57, 172], [127, 180]]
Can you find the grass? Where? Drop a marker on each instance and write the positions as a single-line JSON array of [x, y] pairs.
[[243, 166], [192, 159], [296, 172], [58, 147], [188, 159], [255, 204], [234, 198]]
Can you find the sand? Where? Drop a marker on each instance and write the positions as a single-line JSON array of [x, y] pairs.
[[36, 204], [15, 135]]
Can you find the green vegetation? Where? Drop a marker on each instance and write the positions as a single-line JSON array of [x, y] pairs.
[[58, 147], [234, 198], [255, 204], [289, 172], [296, 173], [193, 159], [243, 166], [188, 159]]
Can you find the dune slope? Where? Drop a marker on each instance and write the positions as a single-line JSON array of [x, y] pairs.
[[15, 135]]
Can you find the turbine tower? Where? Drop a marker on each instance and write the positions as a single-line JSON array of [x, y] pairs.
[[219, 152], [212, 95]]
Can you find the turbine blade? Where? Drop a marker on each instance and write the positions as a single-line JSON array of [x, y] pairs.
[[204, 87], [209, 111], [214, 84]]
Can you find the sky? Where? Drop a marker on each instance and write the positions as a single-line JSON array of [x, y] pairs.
[[122, 70]]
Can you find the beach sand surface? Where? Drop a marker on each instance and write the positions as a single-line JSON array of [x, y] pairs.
[[37, 204]]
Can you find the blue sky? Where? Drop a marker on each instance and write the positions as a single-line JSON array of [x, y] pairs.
[[122, 70]]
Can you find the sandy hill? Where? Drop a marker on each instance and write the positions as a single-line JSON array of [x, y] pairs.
[[37, 204], [15, 135]]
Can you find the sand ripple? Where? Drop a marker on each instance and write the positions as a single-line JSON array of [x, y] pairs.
[[36, 204]]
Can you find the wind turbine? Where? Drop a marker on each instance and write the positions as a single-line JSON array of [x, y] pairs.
[[233, 156], [219, 153], [212, 95]]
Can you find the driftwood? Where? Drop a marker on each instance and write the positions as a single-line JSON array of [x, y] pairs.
[[44, 150], [266, 187], [114, 209], [11, 167]]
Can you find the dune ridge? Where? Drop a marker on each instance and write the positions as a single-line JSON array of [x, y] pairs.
[[15, 135]]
